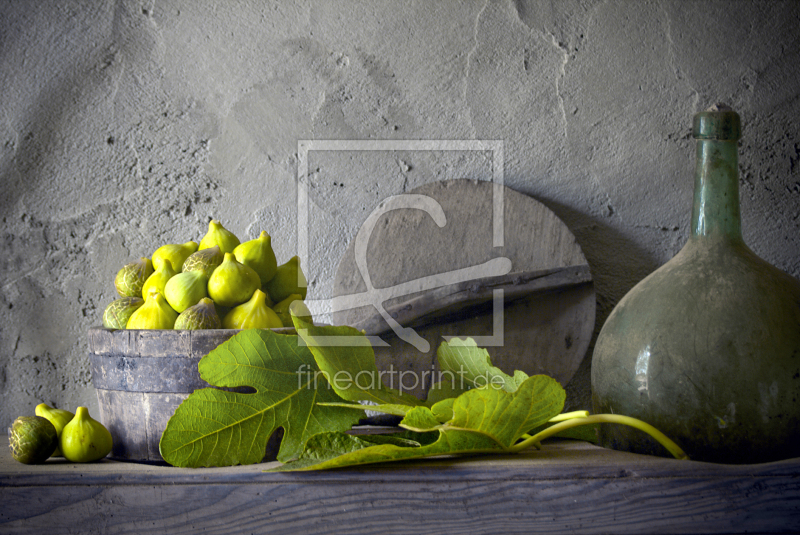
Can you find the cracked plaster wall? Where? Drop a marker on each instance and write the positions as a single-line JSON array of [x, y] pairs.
[[128, 124]]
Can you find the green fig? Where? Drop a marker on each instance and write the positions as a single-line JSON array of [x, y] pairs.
[[158, 280], [205, 260], [131, 277], [58, 417], [254, 314], [232, 283], [84, 439], [288, 280], [118, 312], [258, 254], [32, 439], [203, 315], [176, 253], [219, 235], [155, 313], [295, 304], [186, 289]]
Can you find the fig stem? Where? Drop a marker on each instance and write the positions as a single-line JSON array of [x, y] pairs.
[[554, 429]]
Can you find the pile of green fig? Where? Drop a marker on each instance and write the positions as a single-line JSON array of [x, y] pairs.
[[77, 437], [220, 283]]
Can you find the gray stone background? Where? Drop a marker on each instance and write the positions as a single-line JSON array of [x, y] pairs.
[[128, 124]]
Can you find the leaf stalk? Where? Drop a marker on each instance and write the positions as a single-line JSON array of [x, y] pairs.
[[556, 428]]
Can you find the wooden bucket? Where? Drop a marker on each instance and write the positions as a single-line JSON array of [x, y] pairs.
[[141, 377]]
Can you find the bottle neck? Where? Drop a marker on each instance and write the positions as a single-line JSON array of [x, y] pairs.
[[715, 213]]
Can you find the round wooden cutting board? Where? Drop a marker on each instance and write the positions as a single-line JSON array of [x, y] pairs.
[[433, 260]]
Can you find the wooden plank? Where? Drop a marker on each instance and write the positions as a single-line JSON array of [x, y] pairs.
[[142, 376], [117, 411], [448, 302], [406, 256], [567, 487], [160, 343], [599, 506], [146, 374], [541, 334]]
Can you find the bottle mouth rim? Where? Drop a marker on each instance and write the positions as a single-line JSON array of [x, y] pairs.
[[718, 123]]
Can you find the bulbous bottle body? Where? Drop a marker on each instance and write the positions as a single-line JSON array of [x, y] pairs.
[[707, 347]]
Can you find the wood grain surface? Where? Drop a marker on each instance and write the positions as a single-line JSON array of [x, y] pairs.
[[567, 487], [142, 376], [543, 332]]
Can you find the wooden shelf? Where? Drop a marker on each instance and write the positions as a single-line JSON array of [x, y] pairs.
[[568, 486]]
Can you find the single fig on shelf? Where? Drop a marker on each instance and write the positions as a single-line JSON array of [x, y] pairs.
[[158, 280], [119, 311], [254, 314], [155, 313], [131, 277], [186, 289], [32, 439], [258, 254], [84, 439], [203, 315], [219, 235], [58, 417], [176, 253], [295, 304], [205, 260], [232, 283], [288, 280]]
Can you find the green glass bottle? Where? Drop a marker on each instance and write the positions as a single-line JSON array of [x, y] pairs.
[[707, 347]]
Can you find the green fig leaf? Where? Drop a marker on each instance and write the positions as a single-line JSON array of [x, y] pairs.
[[394, 438], [485, 420], [323, 448], [448, 386], [214, 427], [326, 447], [451, 442], [346, 359], [385, 408], [443, 410], [463, 358], [506, 416], [421, 420]]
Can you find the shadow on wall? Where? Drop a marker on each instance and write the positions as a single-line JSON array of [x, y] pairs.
[[617, 265], [46, 123], [31, 150]]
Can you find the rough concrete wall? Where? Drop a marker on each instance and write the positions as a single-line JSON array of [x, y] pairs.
[[128, 124]]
